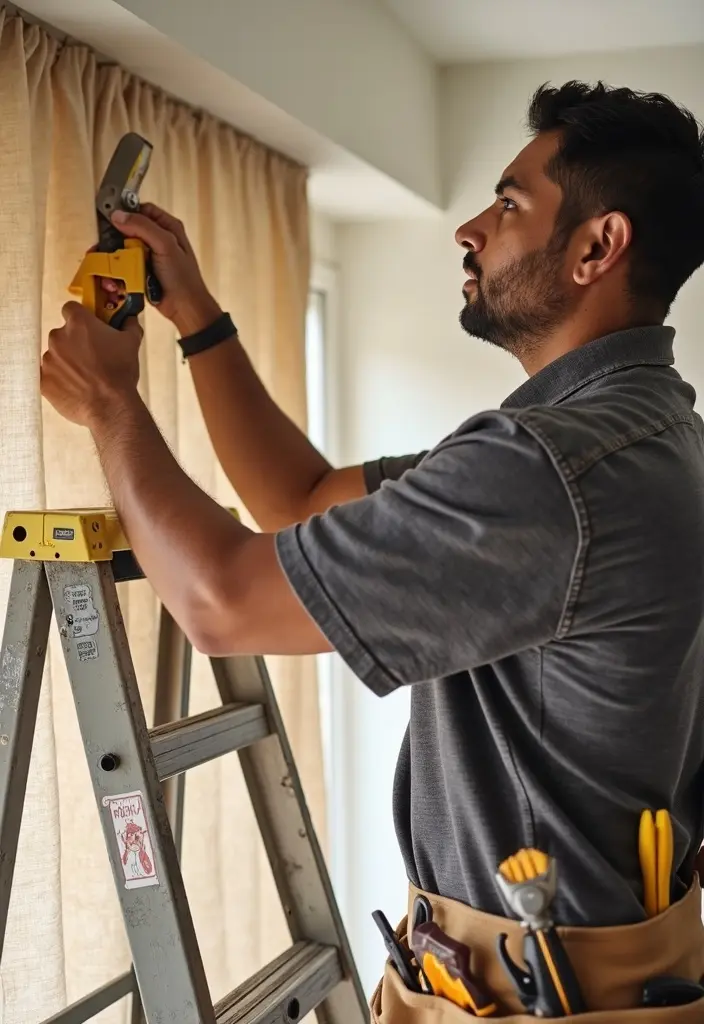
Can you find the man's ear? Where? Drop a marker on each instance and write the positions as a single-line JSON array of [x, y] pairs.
[[603, 242]]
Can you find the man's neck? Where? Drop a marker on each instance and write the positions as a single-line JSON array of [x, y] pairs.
[[569, 337]]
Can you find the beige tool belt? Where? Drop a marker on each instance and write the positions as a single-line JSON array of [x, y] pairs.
[[611, 965]]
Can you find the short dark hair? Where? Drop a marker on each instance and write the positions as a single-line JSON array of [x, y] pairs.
[[639, 153]]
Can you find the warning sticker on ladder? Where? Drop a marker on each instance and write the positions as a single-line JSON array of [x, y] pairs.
[[134, 844]]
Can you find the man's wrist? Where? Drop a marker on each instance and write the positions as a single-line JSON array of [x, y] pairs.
[[197, 317], [113, 409]]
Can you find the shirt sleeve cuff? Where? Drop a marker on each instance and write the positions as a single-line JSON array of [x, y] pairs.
[[373, 475], [328, 617]]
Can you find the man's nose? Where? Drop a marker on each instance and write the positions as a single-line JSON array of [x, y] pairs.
[[470, 236]]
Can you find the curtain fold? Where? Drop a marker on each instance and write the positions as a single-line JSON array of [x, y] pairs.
[[32, 978], [245, 210]]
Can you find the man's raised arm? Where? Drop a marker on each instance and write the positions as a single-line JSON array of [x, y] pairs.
[[278, 474]]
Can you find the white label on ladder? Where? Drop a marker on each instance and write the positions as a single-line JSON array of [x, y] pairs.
[[134, 843], [82, 618], [86, 649]]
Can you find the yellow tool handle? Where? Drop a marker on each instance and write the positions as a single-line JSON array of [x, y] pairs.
[[647, 850], [128, 265], [665, 856], [524, 865], [656, 853], [460, 991]]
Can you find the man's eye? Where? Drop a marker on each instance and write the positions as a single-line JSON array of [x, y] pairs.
[[508, 204]]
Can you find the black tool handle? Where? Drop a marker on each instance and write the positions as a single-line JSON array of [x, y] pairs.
[[523, 981], [155, 293], [669, 991], [557, 991], [132, 306], [399, 957]]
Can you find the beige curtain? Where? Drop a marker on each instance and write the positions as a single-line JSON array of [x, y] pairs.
[[245, 209]]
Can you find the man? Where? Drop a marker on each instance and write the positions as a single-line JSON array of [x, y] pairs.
[[538, 577]]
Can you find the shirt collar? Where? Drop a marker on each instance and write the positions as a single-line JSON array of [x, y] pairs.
[[638, 346]]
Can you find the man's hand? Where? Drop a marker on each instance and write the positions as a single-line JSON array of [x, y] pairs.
[[186, 302], [89, 368]]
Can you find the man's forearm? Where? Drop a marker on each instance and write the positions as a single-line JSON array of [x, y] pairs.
[[270, 462], [178, 534]]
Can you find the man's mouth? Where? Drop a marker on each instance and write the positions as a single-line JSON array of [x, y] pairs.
[[471, 272]]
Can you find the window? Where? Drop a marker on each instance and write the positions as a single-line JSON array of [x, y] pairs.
[[322, 432], [315, 368]]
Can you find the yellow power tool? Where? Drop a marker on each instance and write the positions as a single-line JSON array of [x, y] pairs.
[[121, 259]]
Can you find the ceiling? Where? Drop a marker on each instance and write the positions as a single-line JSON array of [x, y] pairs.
[[456, 31]]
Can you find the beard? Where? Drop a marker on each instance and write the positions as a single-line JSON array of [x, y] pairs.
[[520, 304]]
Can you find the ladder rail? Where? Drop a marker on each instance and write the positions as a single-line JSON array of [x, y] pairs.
[[289, 837], [24, 644], [171, 703], [160, 931]]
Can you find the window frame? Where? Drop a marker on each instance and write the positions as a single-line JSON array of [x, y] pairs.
[[334, 697]]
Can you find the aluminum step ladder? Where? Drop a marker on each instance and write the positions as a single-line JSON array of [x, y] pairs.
[[68, 563]]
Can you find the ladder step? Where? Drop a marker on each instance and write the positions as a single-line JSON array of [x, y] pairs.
[[183, 744], [285, 990]]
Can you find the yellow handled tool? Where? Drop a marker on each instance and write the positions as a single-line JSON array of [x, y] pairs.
[[445, 964], [656, 853], [549, 987], [116, 257]]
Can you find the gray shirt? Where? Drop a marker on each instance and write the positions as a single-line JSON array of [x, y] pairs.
[[538, 578]]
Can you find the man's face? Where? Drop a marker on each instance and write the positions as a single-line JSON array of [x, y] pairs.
[[517, 290]]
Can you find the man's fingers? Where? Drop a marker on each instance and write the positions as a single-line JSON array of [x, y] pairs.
[[133, 329], [74, 310], [136, 225], [133, 326], [168, 222]]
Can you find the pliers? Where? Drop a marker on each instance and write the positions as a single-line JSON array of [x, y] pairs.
[[549, 988], [117, 257]]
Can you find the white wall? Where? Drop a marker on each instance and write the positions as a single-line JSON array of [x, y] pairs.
[[410, 375], [323, 243], [345, 68]]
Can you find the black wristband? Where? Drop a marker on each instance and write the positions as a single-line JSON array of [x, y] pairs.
[[220, 330]]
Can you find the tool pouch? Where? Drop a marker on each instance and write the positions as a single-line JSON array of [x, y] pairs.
[[392, 1003], [611, 965]]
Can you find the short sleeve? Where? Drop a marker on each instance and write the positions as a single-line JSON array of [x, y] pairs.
[[391, 467], [463, 560]]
